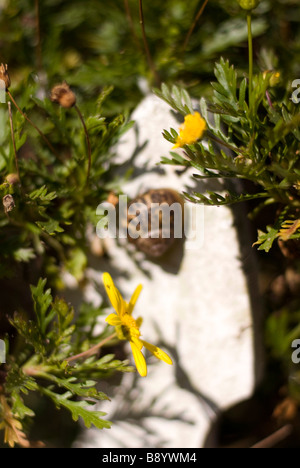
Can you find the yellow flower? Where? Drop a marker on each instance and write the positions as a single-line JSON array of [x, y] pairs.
[[191, 130], [128, 328]]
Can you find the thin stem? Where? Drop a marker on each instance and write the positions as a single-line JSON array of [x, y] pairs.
[[223, 143], [34, 126], [14, 144], [38, 35], [131, 24], [273, 439], [269, 99], [93, 349], [190, 31], [250, 48], [88, 142], [146, 46]]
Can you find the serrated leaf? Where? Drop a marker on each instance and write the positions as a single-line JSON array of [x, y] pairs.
[[42, 301], [51, 227], [19, 408], [79, 409], [24, 254], [266, 239], [30, 331]]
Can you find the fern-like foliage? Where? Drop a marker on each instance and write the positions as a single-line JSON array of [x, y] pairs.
[[256, 140], [49, 338]]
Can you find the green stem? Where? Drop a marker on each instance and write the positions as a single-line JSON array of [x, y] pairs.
[[33, 125], [14, 145], [89, 149], [250, 47], [190, 31], [146, 46]]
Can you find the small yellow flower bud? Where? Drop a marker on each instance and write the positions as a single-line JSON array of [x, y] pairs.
[[8, 203], [63, 95], [12, 179], [248, 4], [274, 77], [4, 76]]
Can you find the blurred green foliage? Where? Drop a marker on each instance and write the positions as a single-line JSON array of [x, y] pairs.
[[93, 44]]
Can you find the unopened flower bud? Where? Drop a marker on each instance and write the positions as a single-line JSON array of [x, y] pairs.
[[12, 179], [4, 76], [63, 95], [274, 77], [8, 203], [248, 4]]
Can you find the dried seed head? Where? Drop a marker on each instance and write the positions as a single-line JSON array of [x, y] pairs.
[[8, 203], [4, 76], [63, 95], [12, 179]]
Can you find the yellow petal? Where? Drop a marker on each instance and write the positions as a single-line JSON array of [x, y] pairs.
[[138, 343], [139, 359], [157, 352], [114, 296], [134, 298], [191, 130], [139, 322], [113, 320]]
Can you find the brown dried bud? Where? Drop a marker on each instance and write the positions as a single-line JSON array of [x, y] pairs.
[[63, 95], [12, 179], [4, 76], [113, 199], [8, 203]]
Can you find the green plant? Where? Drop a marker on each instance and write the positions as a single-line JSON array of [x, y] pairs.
[[43, 362], [256, 141], [52, 185]]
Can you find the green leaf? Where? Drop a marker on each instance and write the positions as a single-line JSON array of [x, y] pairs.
[[17, 381], [24, 254], [266, 239], [79, 409], [18, 407], [42, 300], [76, 264], [30, 331], [51, 227]]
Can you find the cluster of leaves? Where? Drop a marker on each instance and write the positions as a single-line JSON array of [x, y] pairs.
[[42, 365], [94, 43], [54, 200], [256, 141]]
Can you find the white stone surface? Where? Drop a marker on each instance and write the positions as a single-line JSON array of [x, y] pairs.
[[195, 304]]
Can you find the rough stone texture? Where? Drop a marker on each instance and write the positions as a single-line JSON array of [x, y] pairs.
[[198, 305]]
